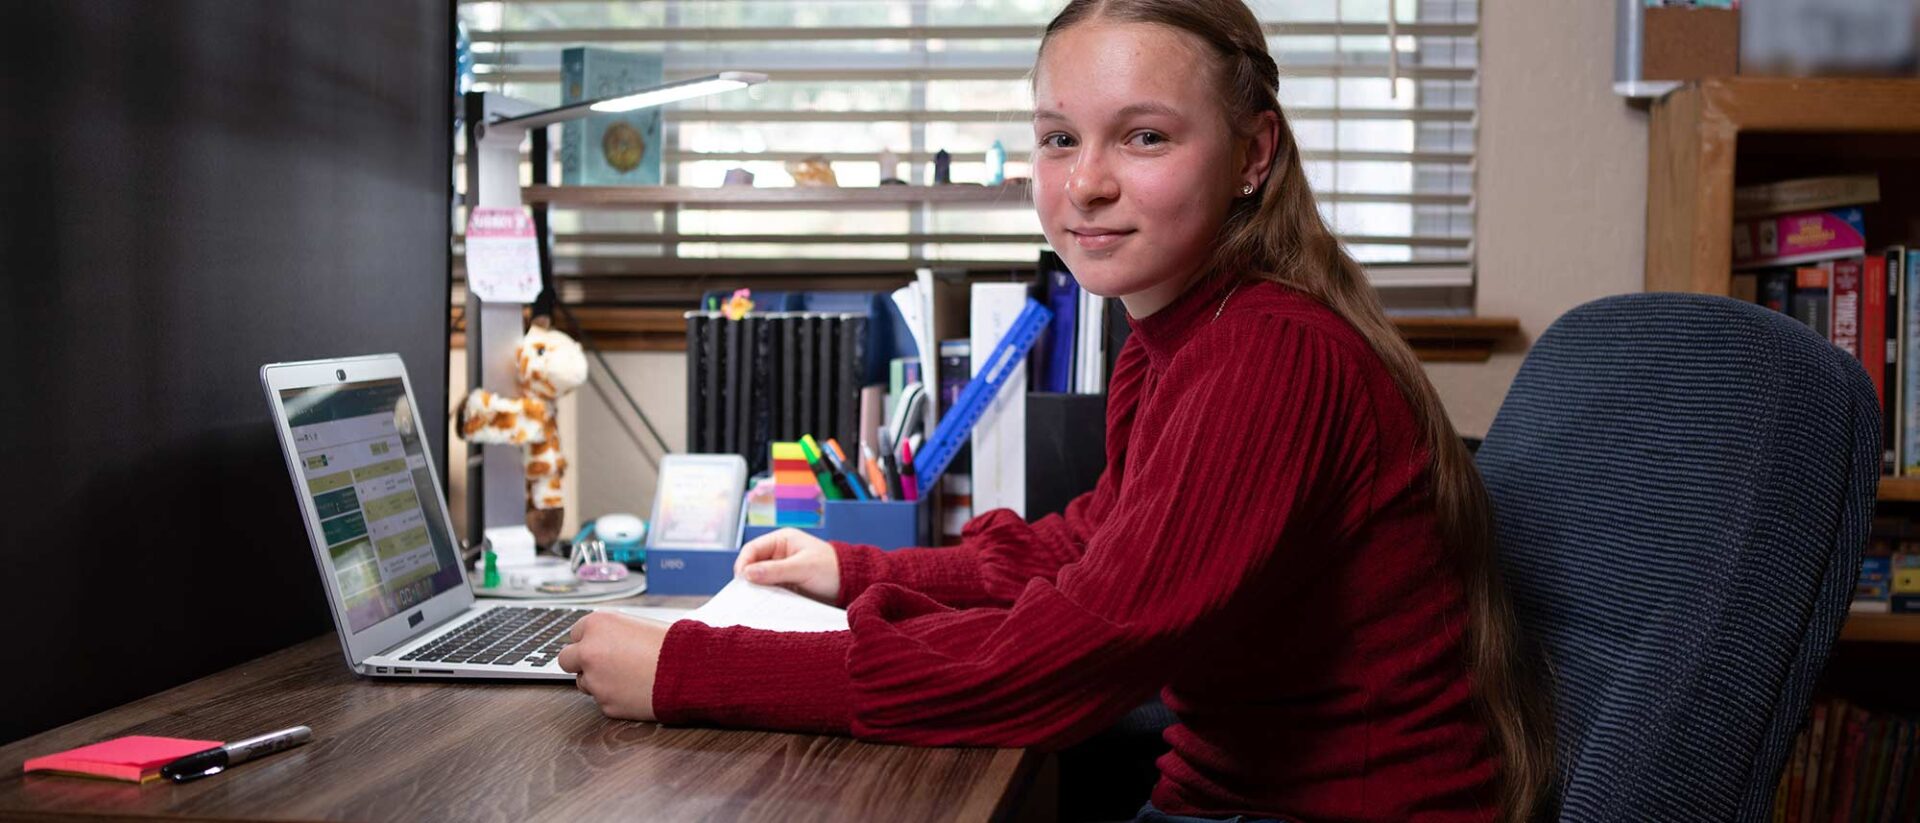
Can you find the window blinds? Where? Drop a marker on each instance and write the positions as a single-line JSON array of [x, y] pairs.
[[1383, 106]]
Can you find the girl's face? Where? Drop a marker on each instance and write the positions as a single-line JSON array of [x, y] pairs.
[[1134, 165]]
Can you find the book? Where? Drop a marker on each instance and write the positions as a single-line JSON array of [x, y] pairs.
[[1090, 363], [1874, 590], [1829, 757], [1843, 326], [1796, 775], [610, 149], [1910, 366], [1873, 331], [1846, 771], [1811, 299], [1802, 237], [1893, 431], [1897, 772], [1776, 289], [135, 759], [1816, 751], [1805, 194]]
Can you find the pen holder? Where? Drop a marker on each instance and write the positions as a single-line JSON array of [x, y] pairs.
[[885, 524]]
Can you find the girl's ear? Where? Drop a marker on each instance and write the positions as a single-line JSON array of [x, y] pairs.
[[1260, 149]]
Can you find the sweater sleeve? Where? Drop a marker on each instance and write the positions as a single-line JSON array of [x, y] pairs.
[[1221, 514], [999, 551]]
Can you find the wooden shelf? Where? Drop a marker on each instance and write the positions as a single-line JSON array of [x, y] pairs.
[[1696, 135], [1881, 628], [745, 197], [637, 328], [1903, 489]]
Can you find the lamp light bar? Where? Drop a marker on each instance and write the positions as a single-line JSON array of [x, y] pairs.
[[656, 96]]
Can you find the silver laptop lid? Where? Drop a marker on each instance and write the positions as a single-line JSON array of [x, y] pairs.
[[375, 514]]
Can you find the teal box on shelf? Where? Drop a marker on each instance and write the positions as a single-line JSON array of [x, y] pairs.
[[887, 525]]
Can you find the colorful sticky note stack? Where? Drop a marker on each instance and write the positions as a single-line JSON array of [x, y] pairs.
[[760, 503], [797, 499]]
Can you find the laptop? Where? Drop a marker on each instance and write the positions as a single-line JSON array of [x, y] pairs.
[[381, 535]]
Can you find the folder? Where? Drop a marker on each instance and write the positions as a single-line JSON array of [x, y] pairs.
[[1000, 437]]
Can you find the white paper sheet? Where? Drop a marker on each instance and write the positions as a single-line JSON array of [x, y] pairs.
[[757, 607]]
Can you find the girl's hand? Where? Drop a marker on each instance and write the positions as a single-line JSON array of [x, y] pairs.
[[615, 658], [793, 559]]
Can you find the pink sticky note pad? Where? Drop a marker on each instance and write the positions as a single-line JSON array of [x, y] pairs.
[[136, 759]]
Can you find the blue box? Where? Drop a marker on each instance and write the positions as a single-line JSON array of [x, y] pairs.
[[885, 524], [888, 525]]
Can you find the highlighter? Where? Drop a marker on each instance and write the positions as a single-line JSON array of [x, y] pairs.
[[828, 485]]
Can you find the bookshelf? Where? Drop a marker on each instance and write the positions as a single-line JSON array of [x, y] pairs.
[[1708, 137]]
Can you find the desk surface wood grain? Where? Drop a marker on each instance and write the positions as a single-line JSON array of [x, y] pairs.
[[419, 750]]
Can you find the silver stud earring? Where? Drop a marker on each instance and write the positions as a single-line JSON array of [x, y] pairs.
[[1246, 189]]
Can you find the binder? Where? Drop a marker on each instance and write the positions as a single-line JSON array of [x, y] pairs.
[[788, 427], [730, 419], [808, 353], [846, 395], [696, 371], [826, 371], [710, 370], [761, 387]]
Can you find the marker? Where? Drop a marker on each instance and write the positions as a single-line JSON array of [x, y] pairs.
[[828, 486], [870, 473], [909, 485], [842, 470], [887, 461], [220, 758]]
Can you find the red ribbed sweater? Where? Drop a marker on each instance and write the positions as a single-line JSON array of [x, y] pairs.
[[1261, 550]]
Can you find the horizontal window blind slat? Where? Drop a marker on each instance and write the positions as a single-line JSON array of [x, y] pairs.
[[531, 75], [679, 34], [955, 238], [1010, 195], [1296, 113]]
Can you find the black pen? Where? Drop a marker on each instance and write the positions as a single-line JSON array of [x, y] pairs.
[[218, 758]]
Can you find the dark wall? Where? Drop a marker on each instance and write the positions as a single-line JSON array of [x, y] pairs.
[[189, 190]]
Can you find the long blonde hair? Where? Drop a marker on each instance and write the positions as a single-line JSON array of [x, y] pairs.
[[1279, 235]]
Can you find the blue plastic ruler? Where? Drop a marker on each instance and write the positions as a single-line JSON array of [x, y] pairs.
[[957, 425]]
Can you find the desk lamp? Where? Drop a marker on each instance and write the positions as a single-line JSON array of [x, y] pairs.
[[496, 125]]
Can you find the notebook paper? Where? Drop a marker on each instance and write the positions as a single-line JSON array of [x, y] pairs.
[[756, 607]]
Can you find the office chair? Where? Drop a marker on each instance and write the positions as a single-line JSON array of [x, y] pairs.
[[1682, 485]]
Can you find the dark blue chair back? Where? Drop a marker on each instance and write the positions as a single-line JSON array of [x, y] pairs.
[[1682, 486]]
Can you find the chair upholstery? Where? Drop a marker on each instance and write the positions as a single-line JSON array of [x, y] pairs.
[[1682, 486]]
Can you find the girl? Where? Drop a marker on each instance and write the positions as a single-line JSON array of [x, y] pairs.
[[1289, 542]]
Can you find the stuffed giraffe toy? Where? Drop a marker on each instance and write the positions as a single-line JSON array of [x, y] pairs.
[[549, 365]]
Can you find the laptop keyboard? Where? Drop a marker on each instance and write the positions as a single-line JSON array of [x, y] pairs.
[[505, 636]]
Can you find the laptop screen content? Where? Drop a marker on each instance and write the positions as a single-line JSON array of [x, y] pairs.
[[365, 470]]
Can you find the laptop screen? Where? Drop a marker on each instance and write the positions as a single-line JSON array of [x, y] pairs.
[[365, 468]]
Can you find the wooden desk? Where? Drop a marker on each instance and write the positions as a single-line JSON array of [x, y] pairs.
[[438, 750]]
